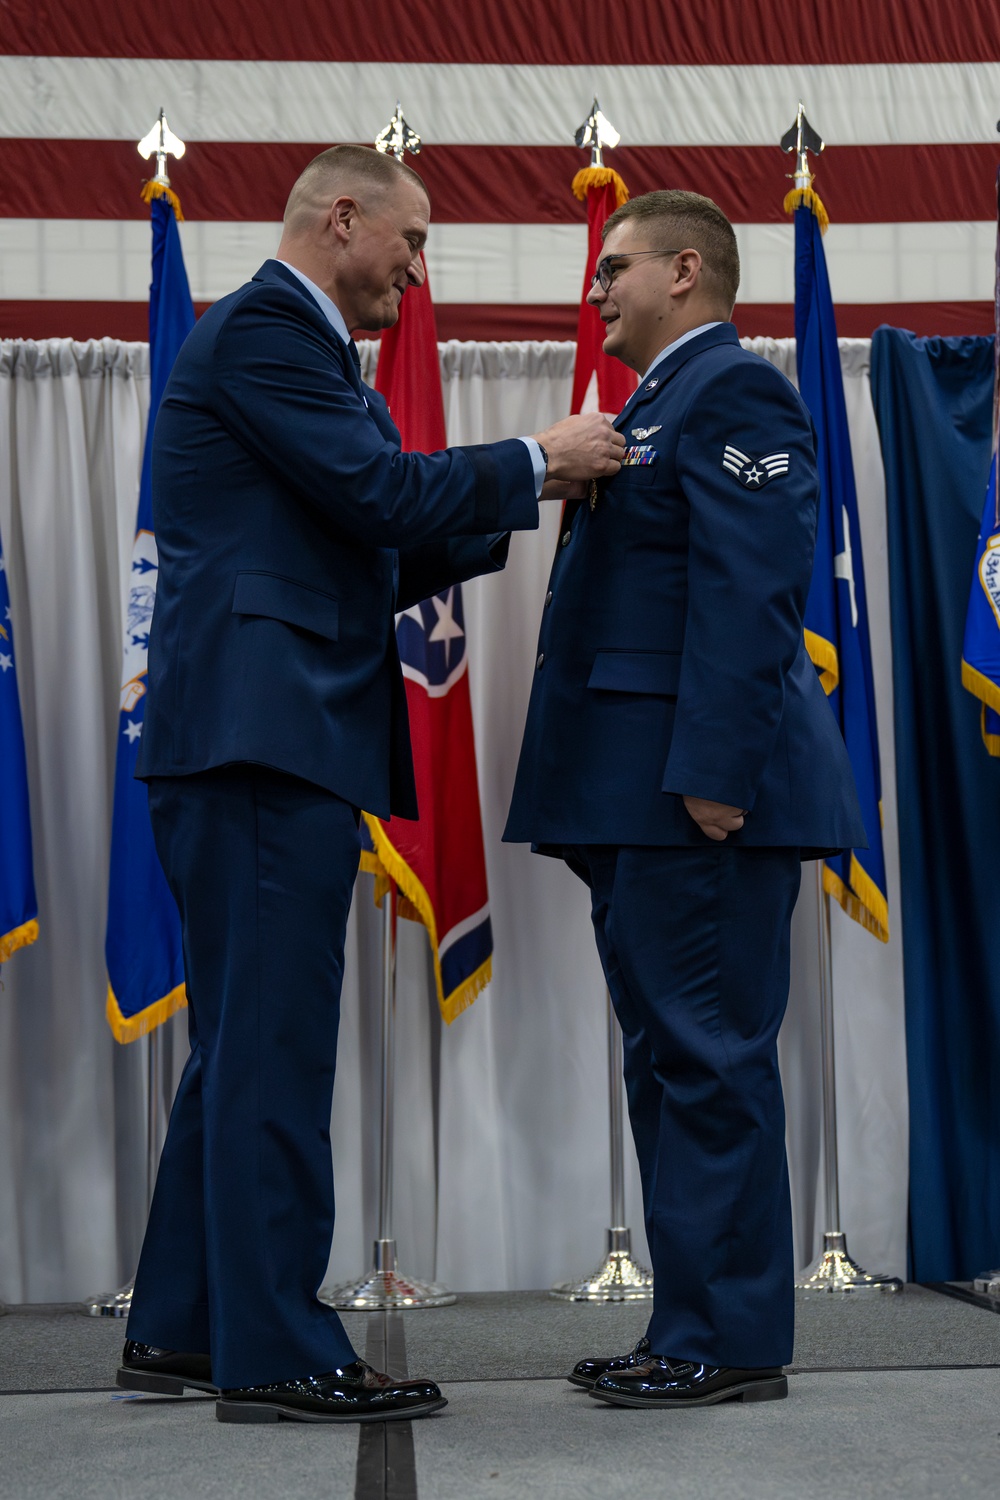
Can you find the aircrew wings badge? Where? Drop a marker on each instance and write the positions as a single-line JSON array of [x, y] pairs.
[[754, 473]]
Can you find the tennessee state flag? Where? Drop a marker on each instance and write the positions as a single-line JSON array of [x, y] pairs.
[[981, 647], [600, 383], [437, 862], [142, 943]]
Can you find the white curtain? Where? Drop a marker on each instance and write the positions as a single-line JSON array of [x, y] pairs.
[[501, 1164]]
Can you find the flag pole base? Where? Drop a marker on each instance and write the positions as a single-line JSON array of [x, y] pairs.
[[835, 1271], [618, 1278], [988, 1285], [113, 1305], [385, 1289]]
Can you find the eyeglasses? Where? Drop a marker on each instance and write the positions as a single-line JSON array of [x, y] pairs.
[[607, 269]]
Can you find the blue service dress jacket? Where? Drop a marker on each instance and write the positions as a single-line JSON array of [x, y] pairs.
[[671, 660], [290, 527]]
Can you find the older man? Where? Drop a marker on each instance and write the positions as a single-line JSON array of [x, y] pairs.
[[680, 755], [290, 527]]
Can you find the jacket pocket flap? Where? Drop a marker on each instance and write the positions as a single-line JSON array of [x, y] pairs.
[[637, 672], [278, 598]]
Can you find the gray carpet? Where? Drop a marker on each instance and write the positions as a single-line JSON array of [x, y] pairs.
[[872, 1436], [529, 1335]]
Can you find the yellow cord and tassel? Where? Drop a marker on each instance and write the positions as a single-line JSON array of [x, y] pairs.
[[153, 189], [807, 198], [599, 177]]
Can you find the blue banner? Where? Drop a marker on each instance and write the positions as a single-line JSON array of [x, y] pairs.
[[981, 647], [18, 907], [836, 619], [143, 941]]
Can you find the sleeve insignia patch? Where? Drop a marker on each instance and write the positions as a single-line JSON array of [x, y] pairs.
[[754, 473]]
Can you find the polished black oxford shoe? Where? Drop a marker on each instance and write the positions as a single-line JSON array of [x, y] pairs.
[[679, 1382], [163, 1372], [587, 1372], [357, 1393]]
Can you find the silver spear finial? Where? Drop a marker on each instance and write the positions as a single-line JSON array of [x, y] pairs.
[[597, 132], [397, 137], [802, 139], [162, 140]]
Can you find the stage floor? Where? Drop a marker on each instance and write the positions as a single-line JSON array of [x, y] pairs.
[[889, 1396]]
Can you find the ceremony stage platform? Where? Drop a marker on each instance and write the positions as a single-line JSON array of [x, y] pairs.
[[889, 1396]]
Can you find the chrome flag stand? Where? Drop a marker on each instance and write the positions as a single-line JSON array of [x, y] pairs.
[[119, 1304], [385, 1288], [618, 1278], [833, 1270]]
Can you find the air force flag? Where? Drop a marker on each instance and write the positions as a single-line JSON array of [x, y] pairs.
[[143, 940], [18, 907], [836, 617]]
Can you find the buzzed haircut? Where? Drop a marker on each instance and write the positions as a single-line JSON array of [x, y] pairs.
[[339, 167], [687, 219]]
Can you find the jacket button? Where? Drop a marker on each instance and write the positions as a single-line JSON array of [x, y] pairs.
[[548, 598], [566, 538], [540, 662]]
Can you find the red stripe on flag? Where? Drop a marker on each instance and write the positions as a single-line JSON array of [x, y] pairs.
[[54, 179], [488, 321], [736, 32]]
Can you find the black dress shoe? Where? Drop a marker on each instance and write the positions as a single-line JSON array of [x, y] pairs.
[[163, 1372], [679, 1382], [588, 1371], [357, 1393]]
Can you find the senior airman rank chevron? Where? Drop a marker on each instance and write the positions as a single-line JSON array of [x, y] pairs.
[[754, 472], [142, 944]]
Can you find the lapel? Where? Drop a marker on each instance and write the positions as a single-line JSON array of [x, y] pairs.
[[274, 271], [653, 388]]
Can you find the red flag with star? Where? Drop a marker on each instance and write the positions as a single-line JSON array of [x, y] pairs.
[[437, 861]]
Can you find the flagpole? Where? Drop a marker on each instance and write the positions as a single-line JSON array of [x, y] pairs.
[[833, 1270], [619, 1277], [385, 1288], [119, 1304]]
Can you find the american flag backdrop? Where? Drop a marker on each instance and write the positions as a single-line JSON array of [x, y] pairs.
[[905, 92]]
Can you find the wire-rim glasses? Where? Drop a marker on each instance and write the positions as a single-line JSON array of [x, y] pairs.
[[607, 271]]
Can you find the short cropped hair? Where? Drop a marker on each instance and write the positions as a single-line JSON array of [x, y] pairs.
[[688, 219], [338, 167]]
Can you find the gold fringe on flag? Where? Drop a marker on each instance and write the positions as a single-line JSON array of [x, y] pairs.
[[807, 198], [18, 937], [131, 1028], [862, 900], [387, 864], [823, 654], [598, 177], [153, 189], [988, 692]]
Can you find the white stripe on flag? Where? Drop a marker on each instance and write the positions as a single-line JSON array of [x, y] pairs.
[[461, 928], [94, 98], [85, 260]]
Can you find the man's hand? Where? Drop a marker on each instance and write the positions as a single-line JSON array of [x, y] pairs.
[[582, 447], [717, 819]]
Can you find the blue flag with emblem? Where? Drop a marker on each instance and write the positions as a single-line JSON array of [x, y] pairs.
[[981, 647], [143, 940], [18, 907], [836, 619]]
